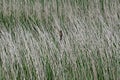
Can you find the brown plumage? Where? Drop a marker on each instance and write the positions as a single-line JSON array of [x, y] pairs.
[[60, 34]]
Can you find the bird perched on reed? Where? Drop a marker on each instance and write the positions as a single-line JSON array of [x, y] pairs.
[[60, 34]]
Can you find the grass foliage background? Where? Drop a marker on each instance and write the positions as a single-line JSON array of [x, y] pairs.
[[30, 48]]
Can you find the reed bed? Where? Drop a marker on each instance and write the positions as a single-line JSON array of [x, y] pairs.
[[59, 40]]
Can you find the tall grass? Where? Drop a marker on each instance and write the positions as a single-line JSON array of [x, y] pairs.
[[30, 47]]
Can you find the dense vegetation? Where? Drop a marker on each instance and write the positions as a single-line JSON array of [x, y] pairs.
[[30, 45]]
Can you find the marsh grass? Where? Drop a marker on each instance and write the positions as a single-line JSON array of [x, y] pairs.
[[31, 49]]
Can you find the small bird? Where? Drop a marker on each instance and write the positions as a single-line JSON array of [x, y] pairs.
[[60, 34]]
